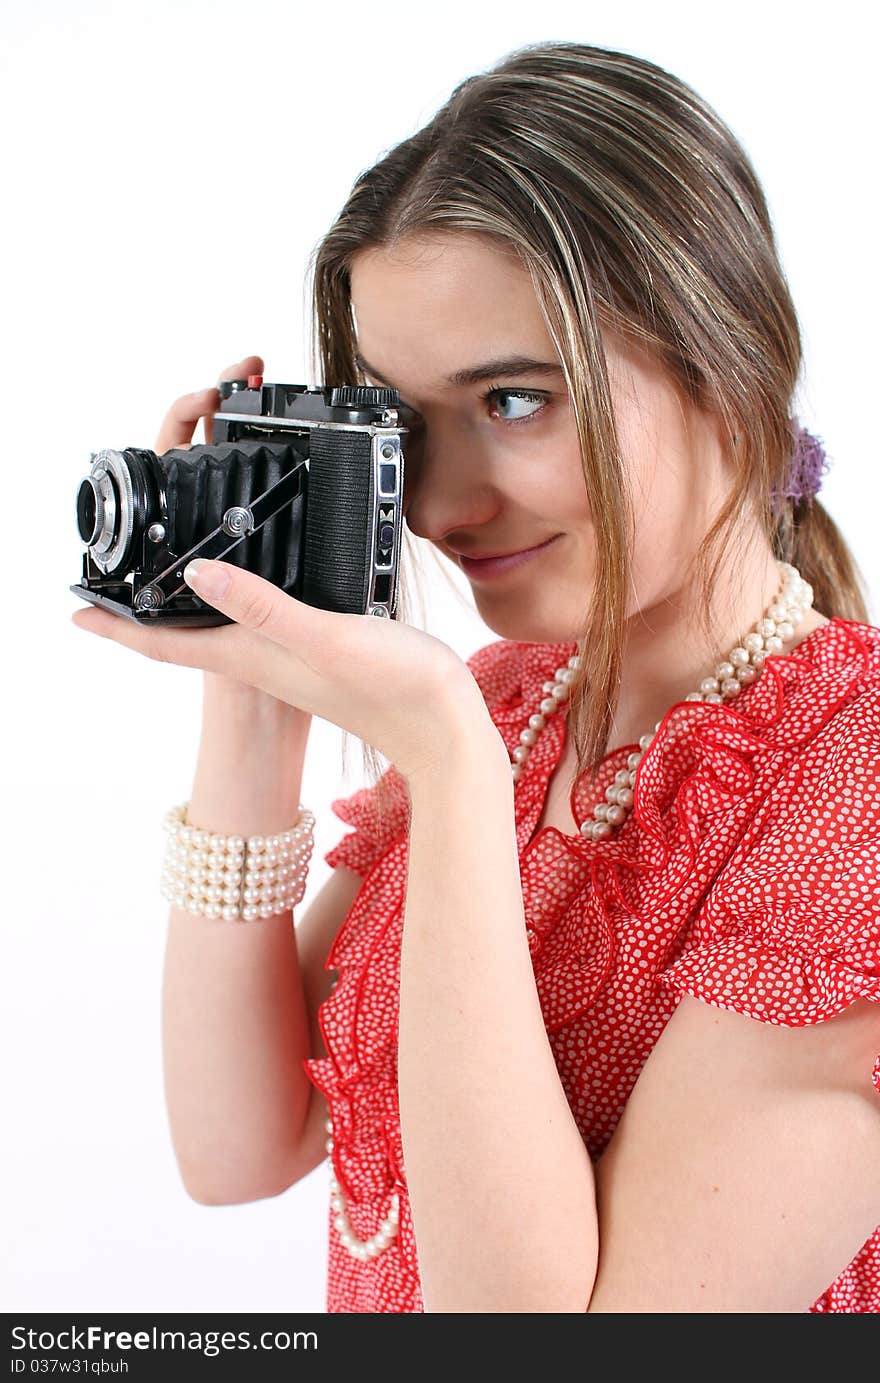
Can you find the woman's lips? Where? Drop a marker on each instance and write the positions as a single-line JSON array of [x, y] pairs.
[[496, 566]]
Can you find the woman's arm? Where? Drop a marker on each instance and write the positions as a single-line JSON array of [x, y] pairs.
[[744, 1175], [500, 1180]]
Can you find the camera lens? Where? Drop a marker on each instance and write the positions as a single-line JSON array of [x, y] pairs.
[[115, 503], [88, 508]]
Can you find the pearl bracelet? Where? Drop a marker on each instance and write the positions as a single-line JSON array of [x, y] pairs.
[[231, 877]]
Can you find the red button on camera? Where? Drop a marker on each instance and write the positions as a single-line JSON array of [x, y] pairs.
[[255, 381]]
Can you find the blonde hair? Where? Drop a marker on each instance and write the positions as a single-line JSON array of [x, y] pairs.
[[632, 205]]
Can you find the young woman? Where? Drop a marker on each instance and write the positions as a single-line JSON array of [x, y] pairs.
[[589, 1004]]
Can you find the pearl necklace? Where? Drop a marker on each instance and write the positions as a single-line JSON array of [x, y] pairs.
[[741, 666], [360, 1248]]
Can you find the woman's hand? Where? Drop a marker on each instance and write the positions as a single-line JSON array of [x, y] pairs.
[[395, 687]]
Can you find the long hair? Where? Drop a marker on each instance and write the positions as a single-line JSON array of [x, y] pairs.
[[632, 205]]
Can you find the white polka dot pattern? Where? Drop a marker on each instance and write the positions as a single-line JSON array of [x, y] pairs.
[[746, 874]]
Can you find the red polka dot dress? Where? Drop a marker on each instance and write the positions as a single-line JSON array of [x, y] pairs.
[[746, 874]]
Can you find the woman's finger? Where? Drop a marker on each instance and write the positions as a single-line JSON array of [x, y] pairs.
[[251, 365], [180, 422], [259, 605]]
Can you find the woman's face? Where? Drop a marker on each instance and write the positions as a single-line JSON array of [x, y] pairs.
[[493, 464]]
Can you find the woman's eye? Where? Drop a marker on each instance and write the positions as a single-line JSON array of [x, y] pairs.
[[522, 403], [510, 405]]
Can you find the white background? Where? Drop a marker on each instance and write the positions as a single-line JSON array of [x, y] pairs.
[[169, 166]]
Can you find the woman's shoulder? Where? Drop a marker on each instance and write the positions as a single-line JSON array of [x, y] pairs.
[[829, 682], [842, 639]]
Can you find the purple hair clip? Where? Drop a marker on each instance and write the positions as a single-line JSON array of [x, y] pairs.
[[807, 465]]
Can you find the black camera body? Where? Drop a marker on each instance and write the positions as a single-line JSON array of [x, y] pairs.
[[302, 486]]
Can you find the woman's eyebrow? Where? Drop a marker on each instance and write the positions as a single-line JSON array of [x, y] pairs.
[[513, 366]]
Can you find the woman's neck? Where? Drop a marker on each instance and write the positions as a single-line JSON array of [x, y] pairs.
[[666, 653]]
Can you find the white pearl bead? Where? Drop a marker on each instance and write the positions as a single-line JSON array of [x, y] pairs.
[[730, 687], [766, 627], [548, 686], [615, 814], [548, 706], [600, 811], [746, 674], [723, 671], [739, 655], [528, 736], [573, 661], [625, 797], [773, 645], [709, 684], [714, 697], [537, 722], [565, 675], [645, 742], [633, 761], [785, 630], [521, 753], [601, 829]]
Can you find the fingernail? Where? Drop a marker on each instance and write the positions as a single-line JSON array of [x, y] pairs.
[[210, 579]]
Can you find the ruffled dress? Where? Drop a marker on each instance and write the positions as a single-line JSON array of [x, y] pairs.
[[746, 874]]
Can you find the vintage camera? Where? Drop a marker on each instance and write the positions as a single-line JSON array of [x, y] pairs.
[[302, 486]]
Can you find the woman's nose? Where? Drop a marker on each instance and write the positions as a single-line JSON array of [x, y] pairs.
[[446, 483]]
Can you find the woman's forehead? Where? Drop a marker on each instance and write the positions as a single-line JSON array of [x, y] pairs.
[[445, 307]]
